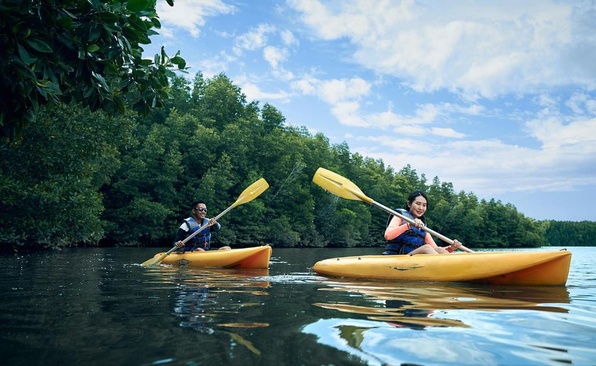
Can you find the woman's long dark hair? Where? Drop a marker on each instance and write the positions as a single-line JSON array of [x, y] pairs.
[[411, 199]]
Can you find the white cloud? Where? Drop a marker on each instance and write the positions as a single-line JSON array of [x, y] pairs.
[[342, 95], [347, 113], [582, 104], [316, 15], [411, 130], [446, 132], [215, 65], [274, 55], [388, 118], [190, 15], [336, 90], [306, 85], [257, 38], [577, 136], [253, 91], [487, 167], [395, 143], [288, 38], [486, 48]]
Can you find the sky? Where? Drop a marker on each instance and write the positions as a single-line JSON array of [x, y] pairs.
[[496, 97]]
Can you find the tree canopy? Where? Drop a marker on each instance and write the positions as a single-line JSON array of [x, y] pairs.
[[73, 51]]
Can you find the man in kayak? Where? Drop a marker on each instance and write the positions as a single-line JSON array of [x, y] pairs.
[[202, 240], [404, 238]]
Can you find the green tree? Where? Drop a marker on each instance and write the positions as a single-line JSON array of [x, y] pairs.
[[220, 102], [163, 173], [50, 180], [69, 51], [147, 187], [272, 118], [569, 233]]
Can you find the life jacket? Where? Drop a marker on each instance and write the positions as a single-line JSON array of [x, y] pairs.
[[202, 239], [406, 242]]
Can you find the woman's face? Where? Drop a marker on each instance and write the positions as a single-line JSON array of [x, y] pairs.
[[418, 207]]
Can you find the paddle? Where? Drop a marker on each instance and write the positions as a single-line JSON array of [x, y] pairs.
[[249, 194], [344, 188]]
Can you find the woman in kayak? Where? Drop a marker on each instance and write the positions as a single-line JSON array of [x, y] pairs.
[[405, 238], [202, 240]]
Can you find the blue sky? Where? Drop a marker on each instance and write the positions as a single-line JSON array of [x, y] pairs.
[[496, 97]]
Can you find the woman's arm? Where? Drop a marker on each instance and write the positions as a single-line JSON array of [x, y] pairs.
[[428, 239], [396, 227]]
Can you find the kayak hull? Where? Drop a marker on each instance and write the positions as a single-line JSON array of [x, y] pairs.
[[504, 268], [248, 258]]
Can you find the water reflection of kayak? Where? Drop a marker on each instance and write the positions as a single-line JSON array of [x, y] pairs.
[[419, 305], [230, 279], [208, 298], [507, 268], [256, 257], [384, 323]]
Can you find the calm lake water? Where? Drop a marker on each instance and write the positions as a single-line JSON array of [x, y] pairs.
[[99, 307]]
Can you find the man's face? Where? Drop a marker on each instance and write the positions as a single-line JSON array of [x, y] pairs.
[[200, 210]]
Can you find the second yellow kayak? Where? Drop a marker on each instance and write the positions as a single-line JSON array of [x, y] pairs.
[[510, 268]]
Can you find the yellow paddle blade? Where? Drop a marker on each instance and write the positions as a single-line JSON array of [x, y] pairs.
[[252, 192], [339, 185], [155, 260]]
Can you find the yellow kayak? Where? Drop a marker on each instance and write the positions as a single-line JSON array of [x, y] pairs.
[[250, 258], [506, 268]]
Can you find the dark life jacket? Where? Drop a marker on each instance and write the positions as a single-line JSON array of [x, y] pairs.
[[409, 240], [202, 239]]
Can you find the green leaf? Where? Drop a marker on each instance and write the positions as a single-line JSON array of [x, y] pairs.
[[105, 17], [65, 22], [21, 29], [92, 48], [52, 88], [88, 92], [94, 33], [179, 61], [25, 57], [137, 5], [156, 23], [39, 45], [101, 80]]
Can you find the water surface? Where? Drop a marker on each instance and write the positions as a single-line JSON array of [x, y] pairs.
[[98, 307]]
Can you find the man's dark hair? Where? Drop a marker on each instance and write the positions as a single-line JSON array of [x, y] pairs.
[[194, 205]]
